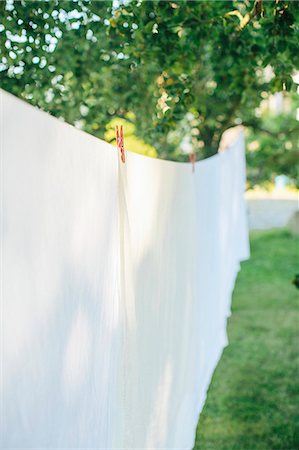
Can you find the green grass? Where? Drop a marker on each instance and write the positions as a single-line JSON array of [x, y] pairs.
[[253, 400]]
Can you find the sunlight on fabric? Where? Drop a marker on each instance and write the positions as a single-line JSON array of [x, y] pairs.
[[77, 354]]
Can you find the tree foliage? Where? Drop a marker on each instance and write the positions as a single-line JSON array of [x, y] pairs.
[[178, 70], [272, 144]]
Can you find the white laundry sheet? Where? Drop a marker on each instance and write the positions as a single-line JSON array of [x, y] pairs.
[[116, 286]]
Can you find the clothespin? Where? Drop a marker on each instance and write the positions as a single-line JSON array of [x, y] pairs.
[[192, 159], [120, 142]]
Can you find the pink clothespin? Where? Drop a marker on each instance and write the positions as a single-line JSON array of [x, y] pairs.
[[120, 142], [192, 159]]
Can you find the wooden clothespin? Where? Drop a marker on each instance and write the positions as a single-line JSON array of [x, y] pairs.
[[192, 159], [120, 142]]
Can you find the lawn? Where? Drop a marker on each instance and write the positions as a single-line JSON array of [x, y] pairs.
[[253, 400]]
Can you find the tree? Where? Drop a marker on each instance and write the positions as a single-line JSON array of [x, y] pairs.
[[272, 143], [177, 69]]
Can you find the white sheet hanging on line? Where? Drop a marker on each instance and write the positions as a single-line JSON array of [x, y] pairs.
[[117, 283], [183, 237], [60, 282]]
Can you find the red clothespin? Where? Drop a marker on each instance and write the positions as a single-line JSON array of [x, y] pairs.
[[192, 159], [120, 142]]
